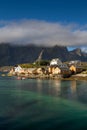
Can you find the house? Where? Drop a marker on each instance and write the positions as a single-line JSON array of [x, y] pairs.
[[57, 70], [55, 61], [54, 70], [61, 69], [18, 69], [65, 72], [75, 62], [63, 66], [75, 69]]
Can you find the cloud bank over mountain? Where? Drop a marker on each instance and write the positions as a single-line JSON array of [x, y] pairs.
[[42, 33]]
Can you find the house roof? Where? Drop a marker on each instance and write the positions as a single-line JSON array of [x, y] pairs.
[[77, 66], [55, 61]]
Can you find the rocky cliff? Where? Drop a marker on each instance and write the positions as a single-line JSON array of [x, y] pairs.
[[11, 55]]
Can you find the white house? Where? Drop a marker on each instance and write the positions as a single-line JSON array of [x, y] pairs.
[[18, 69], [75, 62], [55, 61]]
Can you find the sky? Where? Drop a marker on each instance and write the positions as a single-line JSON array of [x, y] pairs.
[[44, 22]]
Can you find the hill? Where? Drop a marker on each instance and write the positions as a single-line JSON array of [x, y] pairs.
[[11, 55]]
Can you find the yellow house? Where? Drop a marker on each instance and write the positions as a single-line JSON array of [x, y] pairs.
[[75, 69], [54, 70], [61, 69]]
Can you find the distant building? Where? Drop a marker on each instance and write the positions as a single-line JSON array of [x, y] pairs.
[[57, 67], [55, 62], [64, 66], [18, 69], [61, 69], [75, 69], [75, 62], [65, 70], [54, 70]]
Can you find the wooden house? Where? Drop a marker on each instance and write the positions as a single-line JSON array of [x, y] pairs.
[[54, 70], [75, 69], [75, 62], [55, 62], [65, 72], [61, 69]]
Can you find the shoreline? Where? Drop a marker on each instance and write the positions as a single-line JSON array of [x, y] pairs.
[[80, 76], [53, 77]]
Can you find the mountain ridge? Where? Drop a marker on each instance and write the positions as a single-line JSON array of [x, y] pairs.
[[16, 54]]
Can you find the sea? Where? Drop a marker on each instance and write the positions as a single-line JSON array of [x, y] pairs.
[[35, 104]]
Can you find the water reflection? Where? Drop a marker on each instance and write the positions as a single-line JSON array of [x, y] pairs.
[[50, 87], [39, 85], [71, 90], [82, 91], [58, 88], [48, 106], [74, 89], [73, 86]]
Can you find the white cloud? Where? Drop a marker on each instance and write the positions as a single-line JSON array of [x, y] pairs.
[[42, 33], [84, 49]]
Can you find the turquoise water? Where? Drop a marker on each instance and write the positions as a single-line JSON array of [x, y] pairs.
[[42, 104]]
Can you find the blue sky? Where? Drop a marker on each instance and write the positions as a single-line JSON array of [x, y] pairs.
[[50, 10], [48, 22]]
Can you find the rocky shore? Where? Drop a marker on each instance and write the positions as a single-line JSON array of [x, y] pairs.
[[50, 76], [39, 73]]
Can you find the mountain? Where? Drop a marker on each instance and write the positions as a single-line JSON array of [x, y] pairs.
[[77, 54], [11, 55]]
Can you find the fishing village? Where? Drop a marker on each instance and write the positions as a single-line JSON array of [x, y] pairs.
[[48, 69], [54, 69]]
